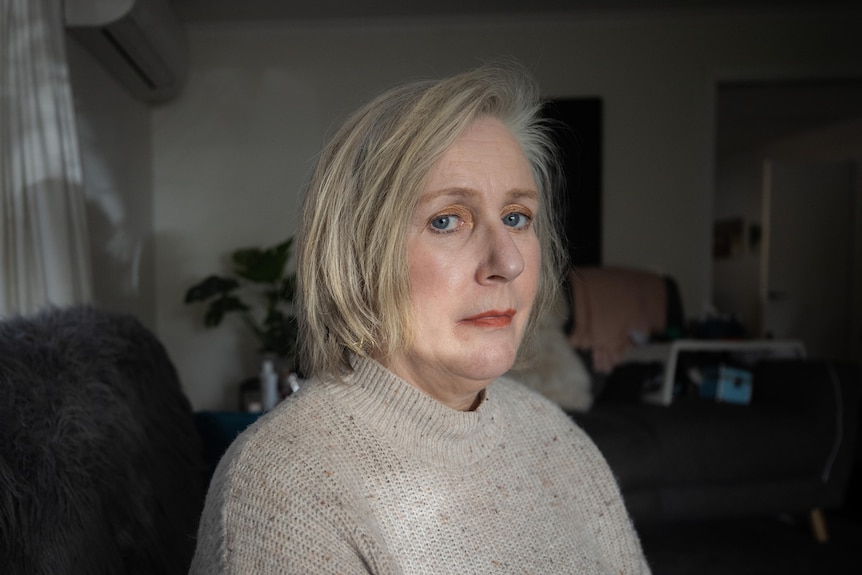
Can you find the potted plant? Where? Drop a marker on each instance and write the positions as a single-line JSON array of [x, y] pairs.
[[261, 293]]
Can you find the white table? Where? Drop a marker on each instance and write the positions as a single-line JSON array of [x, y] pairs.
[[668, 355]]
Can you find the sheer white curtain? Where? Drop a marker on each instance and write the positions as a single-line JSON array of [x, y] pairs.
[[44, 248]]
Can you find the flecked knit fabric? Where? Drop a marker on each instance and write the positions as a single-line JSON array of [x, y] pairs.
[[374, 476]]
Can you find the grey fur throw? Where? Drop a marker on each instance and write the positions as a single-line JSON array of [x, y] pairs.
[[100, 462]]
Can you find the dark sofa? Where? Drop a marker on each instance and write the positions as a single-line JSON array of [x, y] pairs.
[[791, 450]]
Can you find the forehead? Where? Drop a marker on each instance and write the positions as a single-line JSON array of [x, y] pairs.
[[485, 156]]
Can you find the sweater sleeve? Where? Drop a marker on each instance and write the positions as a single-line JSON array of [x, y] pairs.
[[266, 515]]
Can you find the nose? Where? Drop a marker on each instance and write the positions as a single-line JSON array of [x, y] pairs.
[[502, 260]]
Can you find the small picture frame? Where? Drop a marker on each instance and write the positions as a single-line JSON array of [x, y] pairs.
[[728, 238]]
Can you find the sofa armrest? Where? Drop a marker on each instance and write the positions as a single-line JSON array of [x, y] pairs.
[[828, 392]]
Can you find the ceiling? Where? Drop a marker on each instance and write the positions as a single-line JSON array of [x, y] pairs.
[[236, 10]]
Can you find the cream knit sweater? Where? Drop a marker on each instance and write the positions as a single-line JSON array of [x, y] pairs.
[[374, 476]]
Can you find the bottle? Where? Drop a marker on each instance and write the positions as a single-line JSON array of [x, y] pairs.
[[293, 382], [268, 385]]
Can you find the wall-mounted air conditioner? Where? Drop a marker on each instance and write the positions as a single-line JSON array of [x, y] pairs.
[[141, 42]]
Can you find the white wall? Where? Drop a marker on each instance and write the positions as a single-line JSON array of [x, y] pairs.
[[231, 154], [116, 154]]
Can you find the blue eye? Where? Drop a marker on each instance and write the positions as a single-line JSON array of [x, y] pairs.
[[516, 220], [445, 223]]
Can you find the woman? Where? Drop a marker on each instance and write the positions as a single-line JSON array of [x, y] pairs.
[[427, 250]]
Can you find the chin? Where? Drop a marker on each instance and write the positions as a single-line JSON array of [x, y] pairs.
[[488, 364]]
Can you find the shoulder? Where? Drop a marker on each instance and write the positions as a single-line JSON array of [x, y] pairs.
[[304, 427], [532, 418], [284, 498], [531, 415], [288, 474]]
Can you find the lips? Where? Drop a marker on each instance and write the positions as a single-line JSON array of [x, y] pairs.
[[491, 318]]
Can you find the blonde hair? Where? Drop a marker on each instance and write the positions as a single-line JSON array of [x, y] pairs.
[[354, 293]]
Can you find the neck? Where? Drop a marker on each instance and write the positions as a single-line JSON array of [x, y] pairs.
[[456, 392]]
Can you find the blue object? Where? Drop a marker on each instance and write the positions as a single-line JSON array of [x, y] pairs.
[[726, 384]]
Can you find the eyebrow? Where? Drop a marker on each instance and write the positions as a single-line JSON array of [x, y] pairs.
[[517, 194]]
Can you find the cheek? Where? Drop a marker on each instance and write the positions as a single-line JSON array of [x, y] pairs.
[[435, 277], [532, 255]]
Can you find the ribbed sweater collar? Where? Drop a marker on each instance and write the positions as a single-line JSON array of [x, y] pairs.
[[414, 421]]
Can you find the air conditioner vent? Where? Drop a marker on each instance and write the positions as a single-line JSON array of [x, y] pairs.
[[141, 42]]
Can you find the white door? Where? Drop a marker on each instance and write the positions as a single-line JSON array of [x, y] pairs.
[[807, 273]]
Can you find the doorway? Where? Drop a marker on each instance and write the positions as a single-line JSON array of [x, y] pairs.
[[806, 269], [775, 141]]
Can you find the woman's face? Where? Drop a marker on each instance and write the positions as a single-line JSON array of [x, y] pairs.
[[474, 261]]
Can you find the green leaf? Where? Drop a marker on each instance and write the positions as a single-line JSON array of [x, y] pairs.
[[279, 334], [284, 248], [209, 287], [220, 307], [273, 298], [262, 266]]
